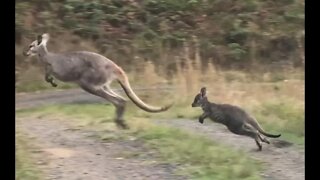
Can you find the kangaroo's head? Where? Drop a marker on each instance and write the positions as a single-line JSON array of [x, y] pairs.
[[200, 98], [34, 47]]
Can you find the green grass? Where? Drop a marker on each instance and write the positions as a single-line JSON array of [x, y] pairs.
[[203, 159], [200, 157], [289, 117], [286, 118], [25, 169]]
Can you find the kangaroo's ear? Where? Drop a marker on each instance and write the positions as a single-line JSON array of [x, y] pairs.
[[39, 39], [203, 91]]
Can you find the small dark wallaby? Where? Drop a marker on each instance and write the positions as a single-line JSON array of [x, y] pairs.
[[236, 119]]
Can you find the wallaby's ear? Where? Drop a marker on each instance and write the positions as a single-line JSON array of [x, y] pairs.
[[39, 39], [203, 91]]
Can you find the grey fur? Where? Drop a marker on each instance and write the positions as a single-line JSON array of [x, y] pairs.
[[235, 118], [91, 71]]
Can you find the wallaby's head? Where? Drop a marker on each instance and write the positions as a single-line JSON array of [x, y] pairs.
[[200, 98], [34, 47]]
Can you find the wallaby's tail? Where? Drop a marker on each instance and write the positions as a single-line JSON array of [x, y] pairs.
[[255, 124], [124, 82]]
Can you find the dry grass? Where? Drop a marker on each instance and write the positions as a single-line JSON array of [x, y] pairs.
[[276, 98]]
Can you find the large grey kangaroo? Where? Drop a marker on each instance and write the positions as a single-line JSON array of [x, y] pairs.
[[235, 118], [91, 71]]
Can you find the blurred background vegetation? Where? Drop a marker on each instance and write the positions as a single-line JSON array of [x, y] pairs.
[[247, 35]]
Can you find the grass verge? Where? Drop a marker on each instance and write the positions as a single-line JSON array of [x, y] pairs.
[[25, 168], [41, 86]]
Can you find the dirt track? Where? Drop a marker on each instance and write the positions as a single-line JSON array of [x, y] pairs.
[[74, 154]]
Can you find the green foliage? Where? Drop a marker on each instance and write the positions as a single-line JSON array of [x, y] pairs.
[[218, 23], [236, 51], [157, 7], [20, 12]]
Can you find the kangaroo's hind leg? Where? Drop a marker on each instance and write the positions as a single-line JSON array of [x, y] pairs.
[[120, 108], [118, 102]]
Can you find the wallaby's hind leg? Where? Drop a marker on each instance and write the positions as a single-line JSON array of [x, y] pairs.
[[245, 130], [258, 144], [119, 103], [263, 139]]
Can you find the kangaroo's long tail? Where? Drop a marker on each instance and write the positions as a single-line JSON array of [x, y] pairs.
[[124, 82]]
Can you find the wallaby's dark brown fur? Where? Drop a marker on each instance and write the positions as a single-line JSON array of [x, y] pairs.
[[236, 119]]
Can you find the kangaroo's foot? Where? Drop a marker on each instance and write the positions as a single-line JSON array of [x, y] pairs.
[[121, 124]]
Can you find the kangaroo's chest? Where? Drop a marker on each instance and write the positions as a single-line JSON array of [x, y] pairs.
[[66, 71]]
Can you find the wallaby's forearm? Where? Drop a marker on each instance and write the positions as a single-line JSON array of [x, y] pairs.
[[202, 117]]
